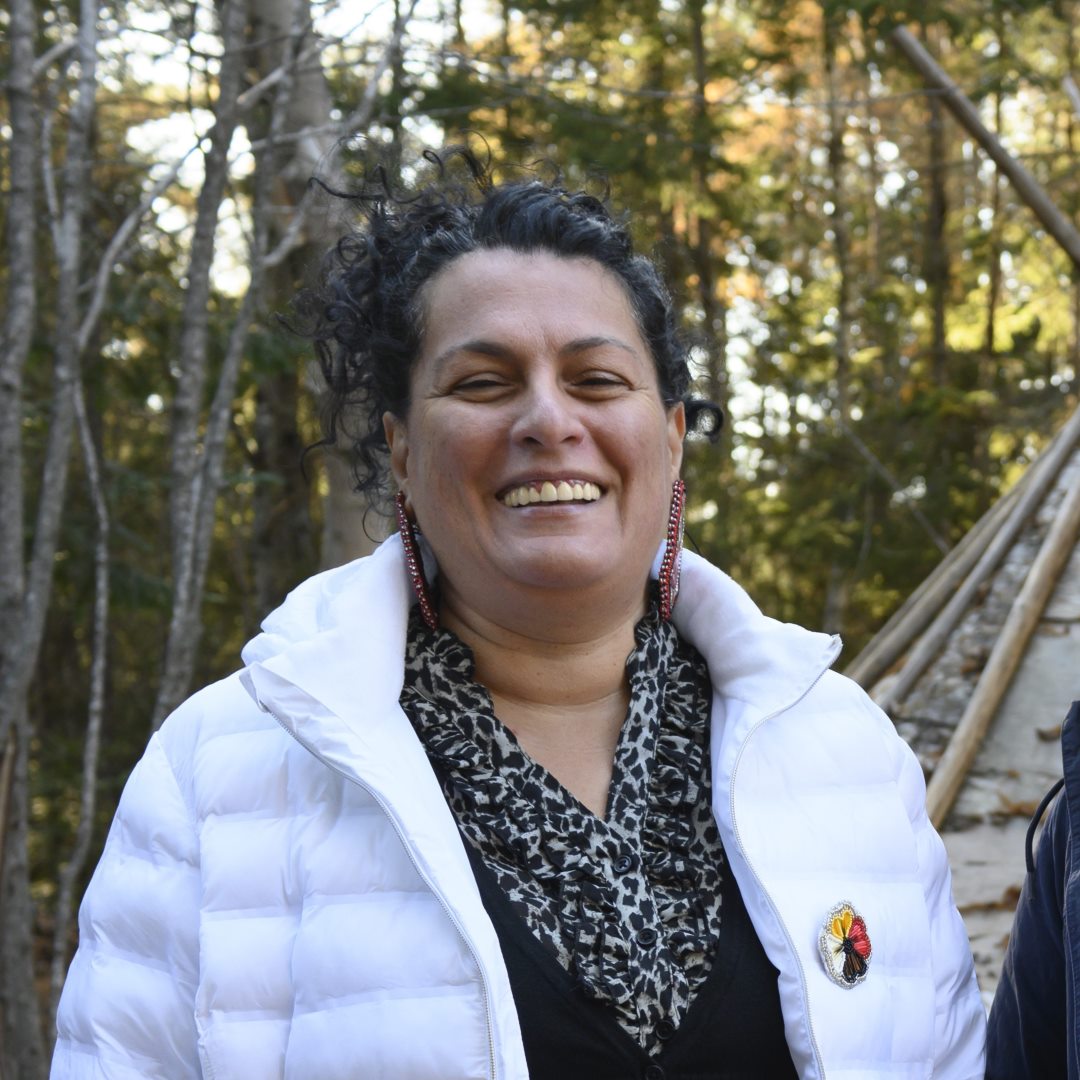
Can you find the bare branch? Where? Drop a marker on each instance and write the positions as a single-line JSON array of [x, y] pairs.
[[252, 95], [357, 120], [52, 54], [361, 115], [48, 174], [114, 251], [880, 468]]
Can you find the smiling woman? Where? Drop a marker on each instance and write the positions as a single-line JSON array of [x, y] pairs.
[[504, 800], [533, 376]]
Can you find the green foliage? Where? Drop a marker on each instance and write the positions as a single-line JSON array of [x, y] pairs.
[[809, 282]]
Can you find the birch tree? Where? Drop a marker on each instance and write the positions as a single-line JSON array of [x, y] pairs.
[[26, 589], [197, 458]]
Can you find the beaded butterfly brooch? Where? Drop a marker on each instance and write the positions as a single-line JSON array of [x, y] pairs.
[[845, 946]]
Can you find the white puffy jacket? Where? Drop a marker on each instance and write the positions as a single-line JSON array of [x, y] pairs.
[[284, 892]]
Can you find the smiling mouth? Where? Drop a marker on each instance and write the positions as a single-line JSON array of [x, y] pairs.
[[547, 491]]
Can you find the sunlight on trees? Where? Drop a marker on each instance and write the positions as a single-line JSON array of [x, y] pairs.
[[892, 332]]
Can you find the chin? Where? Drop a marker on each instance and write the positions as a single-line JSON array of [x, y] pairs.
[[560, 574], [572, 567]]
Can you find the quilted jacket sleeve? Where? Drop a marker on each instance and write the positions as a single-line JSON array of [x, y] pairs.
[[959, 1014], [127, 1008]]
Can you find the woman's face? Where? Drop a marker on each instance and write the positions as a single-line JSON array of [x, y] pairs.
[[533, 384]]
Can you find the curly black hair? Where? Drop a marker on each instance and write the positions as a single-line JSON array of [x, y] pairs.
[[365, 314]]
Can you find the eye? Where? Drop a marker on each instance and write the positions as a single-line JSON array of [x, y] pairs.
[[600, 381], [485, 385], [477, 383]]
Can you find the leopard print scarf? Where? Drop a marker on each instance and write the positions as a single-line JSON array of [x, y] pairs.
[[630, 906]]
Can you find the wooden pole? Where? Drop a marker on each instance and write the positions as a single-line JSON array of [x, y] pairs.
[[919, 609], [933, 641], [1027, 187], [996, 676]]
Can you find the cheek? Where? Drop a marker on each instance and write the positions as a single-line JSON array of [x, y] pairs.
[[450, 464]]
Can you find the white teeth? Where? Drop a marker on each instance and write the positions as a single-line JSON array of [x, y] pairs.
[[549, 492]]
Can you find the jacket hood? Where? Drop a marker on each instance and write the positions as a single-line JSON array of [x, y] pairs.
[[338, 642], [342, 633], [752, 658]]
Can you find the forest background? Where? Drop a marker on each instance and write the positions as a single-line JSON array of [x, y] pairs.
[[892, 334]]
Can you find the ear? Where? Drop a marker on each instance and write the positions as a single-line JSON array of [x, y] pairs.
[[676, 432], [397, 439]]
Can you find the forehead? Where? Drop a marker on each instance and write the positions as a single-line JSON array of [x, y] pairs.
[[524, 295]]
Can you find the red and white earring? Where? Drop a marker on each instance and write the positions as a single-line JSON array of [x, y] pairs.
[[671, 564], [415, 562]]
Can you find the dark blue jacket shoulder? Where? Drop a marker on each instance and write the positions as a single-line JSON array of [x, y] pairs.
[[1033, 1026]]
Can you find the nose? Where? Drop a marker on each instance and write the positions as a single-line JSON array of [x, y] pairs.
[[549, 416]]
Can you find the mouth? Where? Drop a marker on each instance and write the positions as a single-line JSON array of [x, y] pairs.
[[550, 491]]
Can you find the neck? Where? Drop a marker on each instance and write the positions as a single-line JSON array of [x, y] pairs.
[[555, 663], [563, 694], [542, 654]]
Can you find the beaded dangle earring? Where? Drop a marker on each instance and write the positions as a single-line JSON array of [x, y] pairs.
[[415, 563], [671, 564]]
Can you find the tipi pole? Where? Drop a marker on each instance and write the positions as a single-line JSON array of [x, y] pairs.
[[1020, 624], [1027, 187]]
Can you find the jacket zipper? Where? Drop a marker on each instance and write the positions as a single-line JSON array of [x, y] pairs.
[[754, 874], [385, 807]]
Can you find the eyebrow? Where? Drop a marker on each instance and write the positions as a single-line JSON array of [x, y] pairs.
[[585, 344], [500, 352]]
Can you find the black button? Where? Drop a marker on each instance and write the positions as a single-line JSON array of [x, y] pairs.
[[624, 864], [665, 1029], [654, 1072], [647, 936]]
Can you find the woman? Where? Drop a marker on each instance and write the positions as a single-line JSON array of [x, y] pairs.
[[504, 800]]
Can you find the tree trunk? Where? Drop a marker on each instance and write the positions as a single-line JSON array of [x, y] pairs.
[[987, 375], [875, 256], [936, 253], [283, 544], [186, 472], [838, 216], [715, 313], [838, 580], [18, 328], [936, 273], [22, 1049], [70, 871], [283, 548], [197, 468], [23, 1053], [507, 61]]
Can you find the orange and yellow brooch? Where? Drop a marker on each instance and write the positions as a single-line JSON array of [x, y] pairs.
[[845, 946]]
